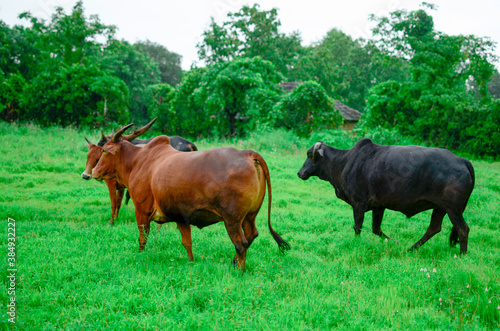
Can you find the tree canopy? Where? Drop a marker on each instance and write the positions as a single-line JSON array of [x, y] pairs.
[[72, 71], [439, 88], [239, 93], [248, 33], [445, 101]]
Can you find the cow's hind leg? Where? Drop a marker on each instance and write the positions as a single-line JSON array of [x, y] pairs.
[[461, 228], [187, 241], [434, 227], [453, 237], [239, 240], [249, 229]]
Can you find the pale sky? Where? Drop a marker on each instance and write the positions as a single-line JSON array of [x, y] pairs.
[[178, 24]]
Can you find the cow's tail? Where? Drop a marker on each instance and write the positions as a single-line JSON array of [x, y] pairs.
[[471, 171], [283, 245]]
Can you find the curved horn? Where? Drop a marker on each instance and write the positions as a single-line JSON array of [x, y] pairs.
[[316, 148], [118, 134], [89, 143], [103, 137], [140, 131]]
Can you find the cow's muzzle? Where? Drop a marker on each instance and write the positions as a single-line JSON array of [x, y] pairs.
[[85, 176], [302, 175]]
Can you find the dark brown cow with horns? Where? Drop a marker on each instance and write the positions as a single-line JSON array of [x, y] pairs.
[[198, 188]]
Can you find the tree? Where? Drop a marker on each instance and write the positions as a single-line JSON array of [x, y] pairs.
[[57, 60], [74, 95], [307, 109], [113, 98], [11, 95], [248, 33], [136, 69], [229, 92], [347, 68], [220, 44], [494, 85], [446, 95], [435, 58], [188, 108], [160, 96], [169, 63], [11, 49], [74, 37]]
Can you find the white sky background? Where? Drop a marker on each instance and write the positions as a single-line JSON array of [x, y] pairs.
[[178, 24]]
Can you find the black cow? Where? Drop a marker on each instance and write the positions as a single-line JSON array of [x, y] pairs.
[[409, 179]]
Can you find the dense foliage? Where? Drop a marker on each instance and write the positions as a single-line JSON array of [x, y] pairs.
[[72, 71], [445, 101], [438, 88], [238, 94], [248, 33], [307, 109], [347, 68]]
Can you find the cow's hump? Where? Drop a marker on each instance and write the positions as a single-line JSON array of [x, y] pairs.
[[363, 142]]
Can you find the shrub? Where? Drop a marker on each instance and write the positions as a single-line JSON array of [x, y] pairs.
[[306, 109]]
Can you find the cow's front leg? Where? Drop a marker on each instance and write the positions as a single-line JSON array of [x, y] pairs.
[[187, 241], [143, 224], [112, 195], [359, 216], [378, 214], [120, 190]]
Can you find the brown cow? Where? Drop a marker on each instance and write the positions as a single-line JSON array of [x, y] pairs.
[[115, 189], [198, 188]]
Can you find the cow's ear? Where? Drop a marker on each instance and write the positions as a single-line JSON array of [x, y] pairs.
[[317, 149]]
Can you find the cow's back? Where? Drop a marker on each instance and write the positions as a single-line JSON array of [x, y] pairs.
[[409, 179], [211, 179]]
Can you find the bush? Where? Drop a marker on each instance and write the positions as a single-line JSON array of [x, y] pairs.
[[74, 95], [237, 94], [438, 117], [306, 109]]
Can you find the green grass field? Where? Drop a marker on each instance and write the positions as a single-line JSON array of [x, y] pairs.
[[76, 272]]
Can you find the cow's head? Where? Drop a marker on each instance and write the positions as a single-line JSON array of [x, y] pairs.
[[313, 161], [111, 151], [93, 157], [94, 154]]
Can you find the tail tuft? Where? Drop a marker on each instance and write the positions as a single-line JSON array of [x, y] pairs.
[[283, 245]]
